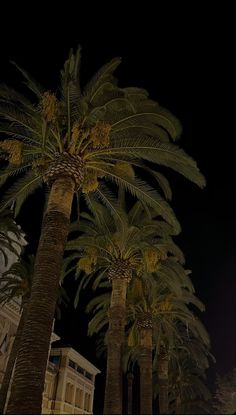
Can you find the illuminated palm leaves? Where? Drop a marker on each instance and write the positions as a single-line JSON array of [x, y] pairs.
[[107, 128], [140, 241]]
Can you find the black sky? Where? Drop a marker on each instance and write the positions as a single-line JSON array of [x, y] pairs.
[[184, 58]]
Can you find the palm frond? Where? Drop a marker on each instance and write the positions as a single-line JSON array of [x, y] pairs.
[[30, 82], [145, 193], [101, 78], [20, 190]]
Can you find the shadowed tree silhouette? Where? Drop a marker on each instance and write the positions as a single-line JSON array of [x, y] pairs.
[[115, 251], [75, 140]]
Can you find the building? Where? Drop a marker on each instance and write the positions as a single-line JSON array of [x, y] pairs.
[[69, 383], [70, 378]]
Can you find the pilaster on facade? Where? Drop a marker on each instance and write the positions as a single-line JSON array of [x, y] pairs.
[[76, 379]]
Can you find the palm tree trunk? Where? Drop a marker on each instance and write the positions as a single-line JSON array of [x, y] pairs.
[[29, 375], [130, 378], [163, 384], [145, 365], [113, 390], [11, 360]]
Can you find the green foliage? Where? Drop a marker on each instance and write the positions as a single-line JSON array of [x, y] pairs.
[[16, 282], [105, 239], [9, 235], [103, 125]]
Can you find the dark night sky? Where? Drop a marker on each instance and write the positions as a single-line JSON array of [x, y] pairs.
[[185, 60]]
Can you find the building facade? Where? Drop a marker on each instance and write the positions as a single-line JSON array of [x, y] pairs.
[[70, 378], [69, 383]]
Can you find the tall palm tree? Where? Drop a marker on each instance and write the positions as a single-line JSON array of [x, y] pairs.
[[117, 250], [162, 310], [178, 319], [139, 312], [74, 141], [15, 283], [178, 332], [188, 391]]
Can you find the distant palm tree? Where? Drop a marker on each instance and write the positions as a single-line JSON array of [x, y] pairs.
[[157, 310], [74, 141], [175, 336], [170, 276], [188, 391], [116, 250], [169, 340]]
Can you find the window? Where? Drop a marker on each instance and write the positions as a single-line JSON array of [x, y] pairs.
[[80, 369], [88, 375], [54, 359], [72, 364]]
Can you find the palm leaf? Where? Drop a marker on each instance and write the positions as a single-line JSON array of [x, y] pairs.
[[30, 82], [102, 77], [20, 190], [145, 193]]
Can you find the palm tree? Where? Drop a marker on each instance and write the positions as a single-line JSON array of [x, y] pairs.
[[15, 283], [10, 234], [139, 311], [116, 250], [175, 321], [188, 392], [73, 143], [176, 336], [162, 310]]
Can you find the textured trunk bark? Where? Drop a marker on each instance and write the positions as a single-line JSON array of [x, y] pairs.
[[145, 365], [163, 385], [29, 375], [11, 360], [130, 378], [113, 391]]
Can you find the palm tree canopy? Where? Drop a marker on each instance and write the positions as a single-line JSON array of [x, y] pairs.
[[96, 134], [138, 238]]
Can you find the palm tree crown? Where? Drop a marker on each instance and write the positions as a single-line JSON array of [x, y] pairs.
[[94, 135]]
